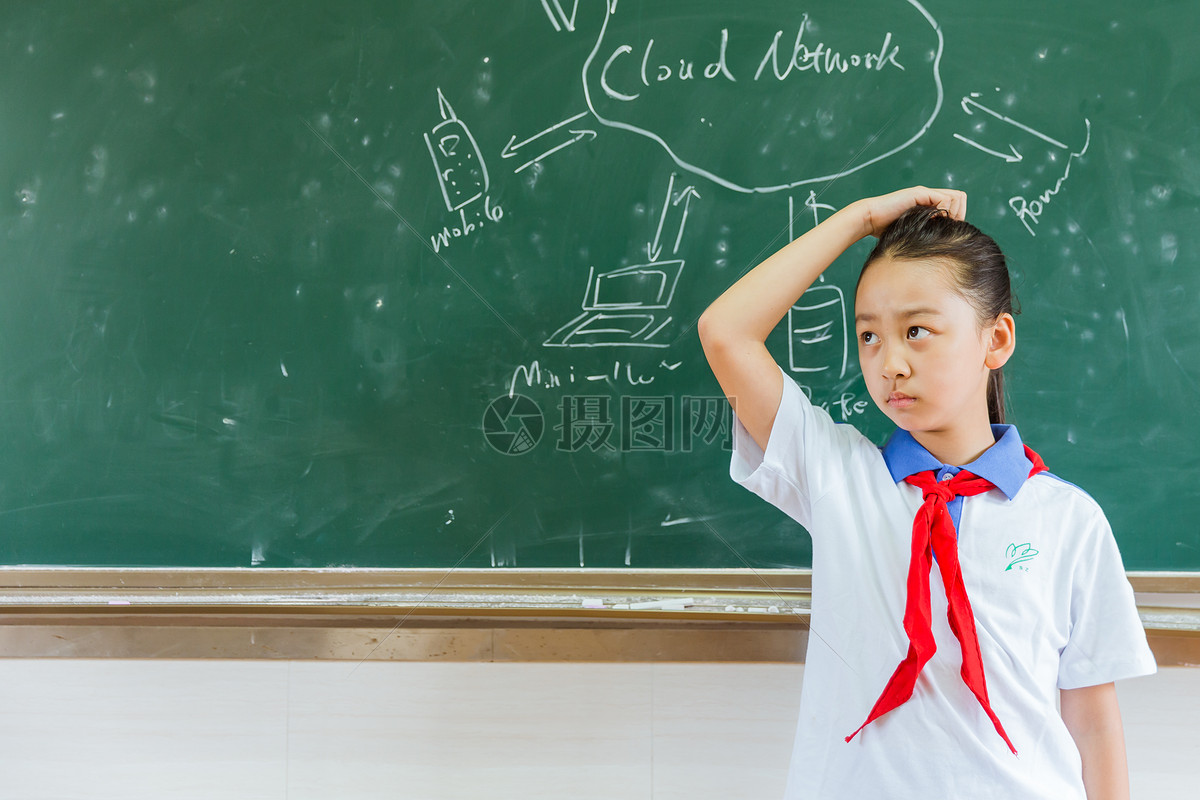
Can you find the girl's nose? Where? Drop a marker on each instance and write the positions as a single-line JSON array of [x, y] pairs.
[[895, 364]]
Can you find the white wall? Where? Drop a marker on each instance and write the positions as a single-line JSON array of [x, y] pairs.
[[307, 729]]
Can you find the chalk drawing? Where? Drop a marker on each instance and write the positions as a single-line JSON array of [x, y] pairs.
[[510, 149], [970, 101], [654, 248], [622, 86], [460, 167], [558, 15], [622, 307], [818, 339], [1030, 211]]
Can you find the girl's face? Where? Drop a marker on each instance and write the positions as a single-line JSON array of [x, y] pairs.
[[924, 357]]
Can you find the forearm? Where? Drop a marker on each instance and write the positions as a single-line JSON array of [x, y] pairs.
[[751, 308], [1093, 717]]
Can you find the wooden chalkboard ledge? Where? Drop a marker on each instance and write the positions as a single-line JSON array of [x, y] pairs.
[[483, 615]]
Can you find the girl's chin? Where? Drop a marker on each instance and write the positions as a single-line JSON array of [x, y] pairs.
[[904, 421]]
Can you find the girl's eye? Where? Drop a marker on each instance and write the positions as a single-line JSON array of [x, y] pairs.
[[867, 337], [917, 332]]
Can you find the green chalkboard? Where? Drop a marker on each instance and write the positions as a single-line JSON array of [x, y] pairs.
[[414, 284]]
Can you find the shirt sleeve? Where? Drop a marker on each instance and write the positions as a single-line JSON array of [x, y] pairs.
[[1107, 641], [805, 455]]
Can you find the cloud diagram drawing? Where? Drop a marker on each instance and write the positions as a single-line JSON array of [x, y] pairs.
[[776, 96]]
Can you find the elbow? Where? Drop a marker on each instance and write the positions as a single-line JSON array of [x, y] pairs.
[[704, 327], [722, 336], [709, 330], [714, 343], [719, 329], [712, 333]]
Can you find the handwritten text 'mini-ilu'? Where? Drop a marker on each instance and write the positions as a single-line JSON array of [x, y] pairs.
[[818, 58]]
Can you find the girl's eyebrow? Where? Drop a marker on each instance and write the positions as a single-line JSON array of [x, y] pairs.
[[905, 313]]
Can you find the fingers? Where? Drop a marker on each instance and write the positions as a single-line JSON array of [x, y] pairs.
[[952, 201], [879, 212]]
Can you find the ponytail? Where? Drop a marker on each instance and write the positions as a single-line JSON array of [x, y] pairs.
[[995, 396]]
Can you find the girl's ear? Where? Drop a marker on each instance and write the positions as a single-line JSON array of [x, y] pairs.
[[1002, 341]]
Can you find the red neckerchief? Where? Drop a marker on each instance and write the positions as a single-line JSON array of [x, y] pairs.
[[934, 537]]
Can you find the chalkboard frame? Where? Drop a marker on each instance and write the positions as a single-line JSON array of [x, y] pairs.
[[400, 601]]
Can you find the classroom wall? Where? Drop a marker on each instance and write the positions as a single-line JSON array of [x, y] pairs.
[[321, 729]]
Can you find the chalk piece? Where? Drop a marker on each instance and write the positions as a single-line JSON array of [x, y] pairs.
[[673, 605], [757, 609], [593, 602], [621, 606], [773, 610], [731, 608], [118, 602]]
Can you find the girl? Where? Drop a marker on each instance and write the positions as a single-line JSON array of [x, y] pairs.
[[961, 594]]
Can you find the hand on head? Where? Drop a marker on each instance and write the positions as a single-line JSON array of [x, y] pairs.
[[879, 212]]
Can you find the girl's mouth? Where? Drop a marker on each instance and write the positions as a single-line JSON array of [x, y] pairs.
[[900, 400]]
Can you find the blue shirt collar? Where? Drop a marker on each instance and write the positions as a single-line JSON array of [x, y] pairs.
[[1004, 463]]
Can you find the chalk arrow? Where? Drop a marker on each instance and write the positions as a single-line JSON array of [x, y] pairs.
[[1011, 159], [969, 101], [513, 145], [579, 136], [567, 20], [510, 149], [684, 197], [654, 248]]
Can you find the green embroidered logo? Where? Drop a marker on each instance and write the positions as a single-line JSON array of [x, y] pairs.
[[1019, 554]]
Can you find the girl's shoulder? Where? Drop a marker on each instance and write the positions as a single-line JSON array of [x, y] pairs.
[[1058, 502], [1054, 484]]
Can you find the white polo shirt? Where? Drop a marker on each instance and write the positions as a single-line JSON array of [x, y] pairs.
[[1053, 610]]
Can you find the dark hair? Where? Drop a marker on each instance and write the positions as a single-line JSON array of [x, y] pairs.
[[975, 262]]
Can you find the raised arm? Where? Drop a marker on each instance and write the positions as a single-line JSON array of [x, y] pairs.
[[734, 329]]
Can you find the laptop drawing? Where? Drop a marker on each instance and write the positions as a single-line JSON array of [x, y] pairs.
[[622, 308]]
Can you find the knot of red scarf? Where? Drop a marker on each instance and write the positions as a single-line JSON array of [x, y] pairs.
[[934, 536]]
